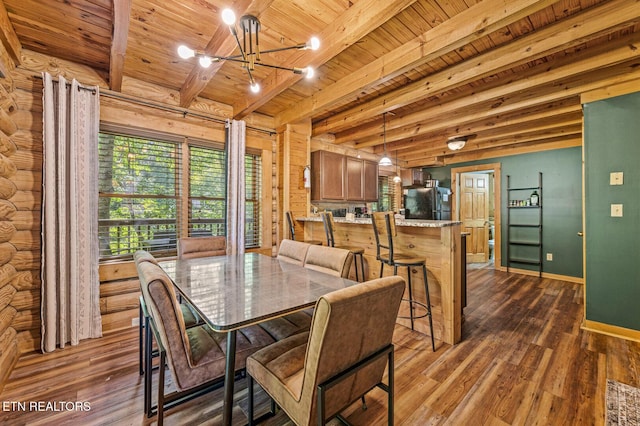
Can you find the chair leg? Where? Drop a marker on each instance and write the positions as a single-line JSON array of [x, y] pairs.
[[355, 265], [362, 267], [381, 268], [148, 367], [410, 295], [140, 338], [364, 404], [161, 389], [390, 379], [426, 290], [250, 395]]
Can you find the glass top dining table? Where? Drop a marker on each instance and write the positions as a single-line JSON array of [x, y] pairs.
[[235, 291]]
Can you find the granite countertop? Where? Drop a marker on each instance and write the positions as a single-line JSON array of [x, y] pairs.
[[419, 223]]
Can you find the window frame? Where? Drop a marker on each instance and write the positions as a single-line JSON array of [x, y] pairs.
[[183, 220]]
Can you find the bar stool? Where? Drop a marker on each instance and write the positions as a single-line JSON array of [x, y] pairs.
[[292, 231], [358, 252], [384, 228]]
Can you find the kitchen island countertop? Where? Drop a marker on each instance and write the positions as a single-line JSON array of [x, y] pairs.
[[418, 223]]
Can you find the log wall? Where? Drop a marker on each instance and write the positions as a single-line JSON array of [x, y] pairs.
[[21, 182], [15, 236]]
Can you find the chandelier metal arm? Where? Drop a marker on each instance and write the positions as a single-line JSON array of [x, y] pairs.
[[237, 59]]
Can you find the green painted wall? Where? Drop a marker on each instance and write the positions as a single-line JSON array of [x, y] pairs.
[[561, 201], [612, 144]]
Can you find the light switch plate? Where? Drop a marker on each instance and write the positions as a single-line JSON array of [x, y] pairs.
[[616, 210], [616, 178]]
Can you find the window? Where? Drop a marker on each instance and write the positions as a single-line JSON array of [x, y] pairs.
[[387, 194], [139, 195], [253, 193], [207, 191]]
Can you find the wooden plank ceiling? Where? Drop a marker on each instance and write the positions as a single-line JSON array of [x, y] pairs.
[[505, 73]]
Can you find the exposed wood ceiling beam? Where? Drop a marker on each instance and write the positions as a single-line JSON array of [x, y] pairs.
[[222, 43], [565, 73], [568, 32], [8, 36], [121, 16], [356, 22], [505, 151], [437, 146], [461, 29], [559, 111], [540, 136]]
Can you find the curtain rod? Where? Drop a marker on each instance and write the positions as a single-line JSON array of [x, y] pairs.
[[183, 111]]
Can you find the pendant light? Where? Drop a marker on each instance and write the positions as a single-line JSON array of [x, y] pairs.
[[397, 178], [385, 160]]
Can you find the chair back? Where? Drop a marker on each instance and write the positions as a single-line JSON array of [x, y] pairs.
[[143, 256], [384, 230], [293, 251], [327, 221], [160, 298], [191, 247], [330, 260], [349, 325], [292, 229]]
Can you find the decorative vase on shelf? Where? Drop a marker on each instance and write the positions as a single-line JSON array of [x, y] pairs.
[[534, 198]]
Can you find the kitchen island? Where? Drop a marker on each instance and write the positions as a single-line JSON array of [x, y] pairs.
[[439, 241]]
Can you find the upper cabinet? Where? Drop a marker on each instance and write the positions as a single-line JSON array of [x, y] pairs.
[[335, 177], [327, 176], [411, 177]]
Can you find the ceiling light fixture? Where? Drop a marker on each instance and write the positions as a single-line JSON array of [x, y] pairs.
[[250, 52], [384, 161], [456, 143]]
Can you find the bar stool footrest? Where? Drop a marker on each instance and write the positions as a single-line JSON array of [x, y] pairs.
[[415, 302]]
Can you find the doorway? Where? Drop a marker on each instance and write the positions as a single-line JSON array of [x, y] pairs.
[[476, 203]]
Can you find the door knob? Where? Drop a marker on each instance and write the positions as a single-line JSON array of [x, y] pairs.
[[580, 234]]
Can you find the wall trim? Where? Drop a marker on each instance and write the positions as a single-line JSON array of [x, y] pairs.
[[611, 330], [575, 280]]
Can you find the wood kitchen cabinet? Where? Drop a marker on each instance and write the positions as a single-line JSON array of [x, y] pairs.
[[335, 177], [327, 176], [361, 180], [411, 177], [370, 181], [355, 179]]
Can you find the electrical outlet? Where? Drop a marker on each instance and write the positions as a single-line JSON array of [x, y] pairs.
[[616, 178], [135, 322], [550, 257], [616, 210]]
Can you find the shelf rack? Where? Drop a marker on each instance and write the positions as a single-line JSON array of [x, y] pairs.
[[532, 239]]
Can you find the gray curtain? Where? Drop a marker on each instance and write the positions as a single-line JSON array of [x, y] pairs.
[[70, 299], [236, 134]]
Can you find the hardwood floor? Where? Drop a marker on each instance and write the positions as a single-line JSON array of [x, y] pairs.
[[524, 361]]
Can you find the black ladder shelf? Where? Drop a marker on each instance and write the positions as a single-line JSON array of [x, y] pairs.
[[526, 232]]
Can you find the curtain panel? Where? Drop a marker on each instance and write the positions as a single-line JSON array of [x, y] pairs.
[[70, 293], [236, 142]]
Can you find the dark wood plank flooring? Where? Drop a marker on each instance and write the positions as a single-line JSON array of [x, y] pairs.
[[524, 361]]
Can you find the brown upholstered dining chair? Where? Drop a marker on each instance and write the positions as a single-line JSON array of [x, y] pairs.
[[190, 247], [358, 252], [293, 251], [314, 376], [191, 318], [292, 230], [195, 355], [384, 230], [329, 260]]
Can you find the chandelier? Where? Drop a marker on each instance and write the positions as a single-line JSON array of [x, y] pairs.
[[250, 51]]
